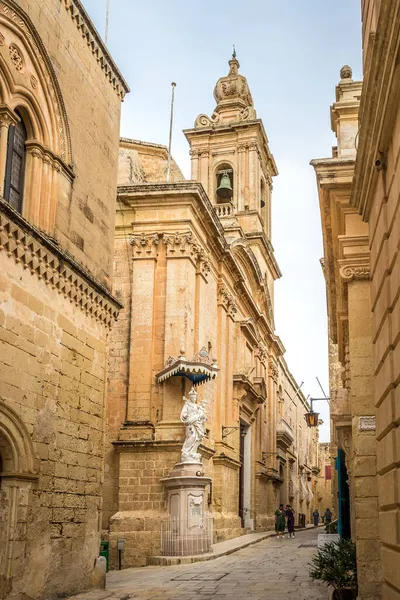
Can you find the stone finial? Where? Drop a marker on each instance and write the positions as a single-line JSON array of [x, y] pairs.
[[346, 72]]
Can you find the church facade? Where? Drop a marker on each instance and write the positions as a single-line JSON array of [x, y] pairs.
[[195, 271], [60, 98]]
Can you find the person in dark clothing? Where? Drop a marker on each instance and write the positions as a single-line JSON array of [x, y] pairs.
[[280, 522], [316, 517], [290, 520], [328, 518]]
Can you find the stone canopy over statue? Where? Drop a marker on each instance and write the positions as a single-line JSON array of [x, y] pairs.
[[193, 415]]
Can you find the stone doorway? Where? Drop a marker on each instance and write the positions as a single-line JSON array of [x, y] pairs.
[[16, 478]]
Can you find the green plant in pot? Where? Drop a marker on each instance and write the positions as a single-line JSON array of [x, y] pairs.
[[336, 565]]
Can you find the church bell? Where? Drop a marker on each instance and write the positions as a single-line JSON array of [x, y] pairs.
[[225, 189]]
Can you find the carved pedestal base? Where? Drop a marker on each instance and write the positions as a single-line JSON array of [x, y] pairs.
[[188, 531]]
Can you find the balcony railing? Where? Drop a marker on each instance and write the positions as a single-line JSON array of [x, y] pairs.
[[224, 210]]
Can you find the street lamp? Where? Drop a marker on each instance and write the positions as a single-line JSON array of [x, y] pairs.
[[313, 417]]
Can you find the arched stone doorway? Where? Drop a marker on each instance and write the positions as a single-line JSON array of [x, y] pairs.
[[17, 474]]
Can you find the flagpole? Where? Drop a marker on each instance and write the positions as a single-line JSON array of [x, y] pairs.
[[173, 84], [107, 16]]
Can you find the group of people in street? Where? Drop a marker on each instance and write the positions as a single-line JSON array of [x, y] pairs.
[[327, 517], [281, 515], [286, 516]]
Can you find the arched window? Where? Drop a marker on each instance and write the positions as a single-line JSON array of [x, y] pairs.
[[15, 165]]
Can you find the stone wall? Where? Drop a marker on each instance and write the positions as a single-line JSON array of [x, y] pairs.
[[87, 91], [55, 305], [52, 366], [141, 162], [376, 196]]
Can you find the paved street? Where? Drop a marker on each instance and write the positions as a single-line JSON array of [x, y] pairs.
[[272, 569]]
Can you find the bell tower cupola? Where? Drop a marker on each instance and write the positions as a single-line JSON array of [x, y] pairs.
[[231, 157]]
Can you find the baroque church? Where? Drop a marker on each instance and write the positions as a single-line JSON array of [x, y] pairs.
[[195, 271]]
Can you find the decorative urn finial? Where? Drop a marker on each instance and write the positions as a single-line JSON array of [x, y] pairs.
[[346, 72]]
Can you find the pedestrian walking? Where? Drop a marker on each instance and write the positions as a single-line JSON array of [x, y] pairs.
[[316, 517], [290, 520], [280, 521], [328, 518]]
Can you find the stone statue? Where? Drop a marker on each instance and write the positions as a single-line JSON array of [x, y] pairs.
[[193, 415]]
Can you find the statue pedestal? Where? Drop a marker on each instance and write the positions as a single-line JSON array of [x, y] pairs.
[[188, 530]]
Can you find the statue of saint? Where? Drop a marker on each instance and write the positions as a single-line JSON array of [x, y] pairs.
[[193, 415]]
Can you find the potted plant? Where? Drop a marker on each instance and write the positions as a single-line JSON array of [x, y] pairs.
[[335, 564]]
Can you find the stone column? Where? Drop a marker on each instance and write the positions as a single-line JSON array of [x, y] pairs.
[[241, 177], [194, 156], [254, 180], [204, 167], [144, 256], [7, 118]]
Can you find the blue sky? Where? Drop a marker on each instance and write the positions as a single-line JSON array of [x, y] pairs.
[[291, 52]]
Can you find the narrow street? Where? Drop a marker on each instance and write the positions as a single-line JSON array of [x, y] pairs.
[[272, 569]]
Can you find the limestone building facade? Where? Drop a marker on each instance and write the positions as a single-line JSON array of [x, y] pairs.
[[346, 268], [323, 496], [195, 271], [376, 197], [361, 248], [60, 98]]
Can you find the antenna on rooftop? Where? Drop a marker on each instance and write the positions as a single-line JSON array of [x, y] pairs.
[[173, 85], [107, 16]]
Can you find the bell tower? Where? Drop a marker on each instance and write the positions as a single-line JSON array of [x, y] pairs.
[[231, 157]]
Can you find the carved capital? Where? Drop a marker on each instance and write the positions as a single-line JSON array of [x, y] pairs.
[[185, 245], [273, 371], [242, 148], [145, 245], [359, 271], [7, 116], [226, 299]]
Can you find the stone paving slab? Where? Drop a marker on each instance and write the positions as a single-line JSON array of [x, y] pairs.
[[219, 549], [272, 569]]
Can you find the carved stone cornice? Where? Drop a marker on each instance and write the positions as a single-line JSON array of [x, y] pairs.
[[185, 245], [96, 46], [227, 300], [145, 245], [38, 254]]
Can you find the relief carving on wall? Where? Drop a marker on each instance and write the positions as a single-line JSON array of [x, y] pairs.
[[185, 245], [226, 299], [16, 57]]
